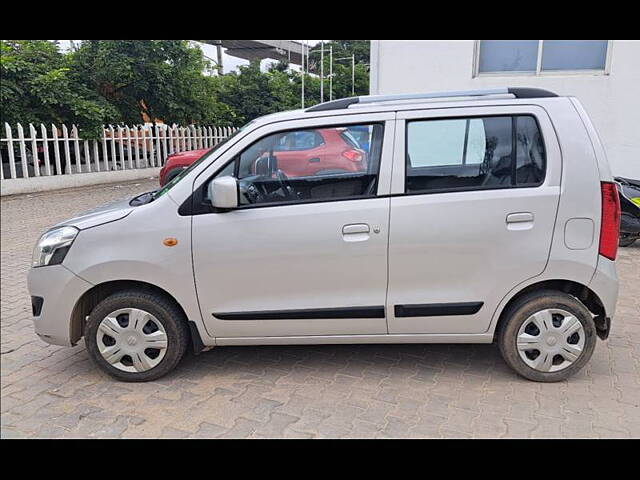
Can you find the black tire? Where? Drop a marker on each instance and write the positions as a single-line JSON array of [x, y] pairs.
[[165, 311], [626, 241], [526, 306]]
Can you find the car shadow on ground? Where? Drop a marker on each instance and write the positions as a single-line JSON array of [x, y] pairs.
[[398, 361]]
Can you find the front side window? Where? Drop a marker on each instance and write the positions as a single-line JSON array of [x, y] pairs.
[[540, 56], [473, 153], [308, 165]]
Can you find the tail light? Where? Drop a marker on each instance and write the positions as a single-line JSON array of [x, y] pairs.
[[353, 155], [610, 221]]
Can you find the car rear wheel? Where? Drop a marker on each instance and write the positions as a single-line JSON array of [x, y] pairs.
[[136, 335], [547, 336]]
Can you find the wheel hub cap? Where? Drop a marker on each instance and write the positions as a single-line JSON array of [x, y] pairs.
[[550, 340], [132, 340]]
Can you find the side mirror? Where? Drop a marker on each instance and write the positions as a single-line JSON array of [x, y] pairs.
[[223, 192]]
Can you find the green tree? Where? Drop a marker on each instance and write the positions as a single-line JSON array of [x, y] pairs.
[[129, 81], [342, 81], [162, 79], [342, 69], [251, 93], [38, 86], [345, 48]]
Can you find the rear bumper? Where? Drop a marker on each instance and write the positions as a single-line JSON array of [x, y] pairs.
[[60, 290], [605, 284]]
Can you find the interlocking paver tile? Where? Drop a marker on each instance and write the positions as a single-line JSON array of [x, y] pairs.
[[340, 391]]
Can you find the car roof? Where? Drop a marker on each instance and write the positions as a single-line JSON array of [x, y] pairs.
[[419, 101]]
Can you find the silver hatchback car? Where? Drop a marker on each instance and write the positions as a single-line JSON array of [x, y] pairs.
[[450, 217]]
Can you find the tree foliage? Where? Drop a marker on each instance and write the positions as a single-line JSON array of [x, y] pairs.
[[345, 48], [132, 81], [150, 79], [38, 86]]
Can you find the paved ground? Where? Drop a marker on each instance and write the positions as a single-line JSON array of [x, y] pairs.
[[299, 392]]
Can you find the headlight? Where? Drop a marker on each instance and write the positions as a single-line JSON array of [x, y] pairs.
[[53, 246]]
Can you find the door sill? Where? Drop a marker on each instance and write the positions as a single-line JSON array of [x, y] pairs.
[[353, 339]]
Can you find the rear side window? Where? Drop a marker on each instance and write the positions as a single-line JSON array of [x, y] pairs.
[[530, 152], [474, 153]]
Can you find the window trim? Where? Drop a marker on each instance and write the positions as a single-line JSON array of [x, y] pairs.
[[539, 72], [514, 154], [194, 204]]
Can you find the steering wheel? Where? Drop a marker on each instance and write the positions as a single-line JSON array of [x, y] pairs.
[[285, 184]]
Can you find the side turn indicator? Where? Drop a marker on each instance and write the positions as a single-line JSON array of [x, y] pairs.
[[170, 242]]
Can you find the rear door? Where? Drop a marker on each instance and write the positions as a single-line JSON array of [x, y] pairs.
[[476, 192]]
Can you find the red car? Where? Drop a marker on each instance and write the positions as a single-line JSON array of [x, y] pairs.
[[176, 162], [299, 153]]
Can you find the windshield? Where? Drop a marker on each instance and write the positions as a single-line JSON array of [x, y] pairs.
[[185, 172]]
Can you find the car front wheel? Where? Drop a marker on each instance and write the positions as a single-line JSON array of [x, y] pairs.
[[136, 335]]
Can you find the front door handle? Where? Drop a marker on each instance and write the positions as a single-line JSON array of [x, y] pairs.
[[355, 228], [355, 232], [314, 160]]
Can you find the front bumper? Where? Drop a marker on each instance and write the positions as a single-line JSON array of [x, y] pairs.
[[60, 290]]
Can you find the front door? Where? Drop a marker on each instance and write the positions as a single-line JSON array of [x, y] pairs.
[[475, 197], [303, 254]]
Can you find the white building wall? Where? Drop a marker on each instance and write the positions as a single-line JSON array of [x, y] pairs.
[[612, 101]]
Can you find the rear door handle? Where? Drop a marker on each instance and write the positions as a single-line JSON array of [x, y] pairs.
[[520, 217], [520, 221]]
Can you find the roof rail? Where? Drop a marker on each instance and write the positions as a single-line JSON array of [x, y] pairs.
[[517, 92]]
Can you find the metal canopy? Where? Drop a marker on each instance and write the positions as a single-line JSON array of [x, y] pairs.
[[287, 50]]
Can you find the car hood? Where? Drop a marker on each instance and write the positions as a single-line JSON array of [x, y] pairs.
[[109, 212]]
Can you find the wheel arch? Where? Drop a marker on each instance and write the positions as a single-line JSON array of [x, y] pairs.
[[580, 291], [89, 299]]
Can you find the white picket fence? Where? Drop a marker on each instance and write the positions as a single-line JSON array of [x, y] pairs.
[[49, 151]]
